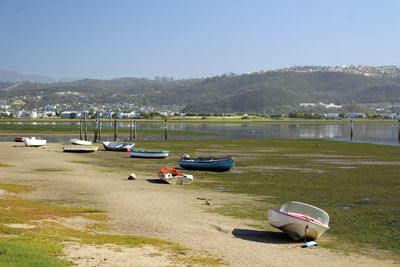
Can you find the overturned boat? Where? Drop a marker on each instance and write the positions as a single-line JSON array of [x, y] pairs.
[[299, 220]]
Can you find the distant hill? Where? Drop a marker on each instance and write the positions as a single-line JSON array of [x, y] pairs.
[[268, 91], [256, 92], [12, 76]]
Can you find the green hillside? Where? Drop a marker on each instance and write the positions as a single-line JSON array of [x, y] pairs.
[[257, 92]]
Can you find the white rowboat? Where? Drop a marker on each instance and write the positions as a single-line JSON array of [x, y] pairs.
[[299, 220], [33, 142], [80, 142]]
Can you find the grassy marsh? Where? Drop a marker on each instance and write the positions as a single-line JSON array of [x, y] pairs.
[[357, 184], [13, 188]]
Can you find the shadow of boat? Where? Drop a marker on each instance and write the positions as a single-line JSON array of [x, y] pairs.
[[262, 236], [156, 181]]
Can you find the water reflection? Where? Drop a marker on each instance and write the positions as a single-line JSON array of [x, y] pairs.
[[363, 132]]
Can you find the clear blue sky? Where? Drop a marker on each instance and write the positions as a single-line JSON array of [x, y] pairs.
[[188, 38]]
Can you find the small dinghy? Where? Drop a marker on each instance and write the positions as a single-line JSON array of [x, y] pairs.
[[80, 149], [299, 220], [155, 154], [33, 142], [118, 146], [19, 139], [216, 164], [80, 142], [173, 176]]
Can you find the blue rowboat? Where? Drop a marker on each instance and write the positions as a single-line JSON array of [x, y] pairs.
[[216, 164], [137, 153]]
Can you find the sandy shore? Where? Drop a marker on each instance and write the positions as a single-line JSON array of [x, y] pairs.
[[157, 210]]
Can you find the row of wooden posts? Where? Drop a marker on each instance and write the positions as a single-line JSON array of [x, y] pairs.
[[83, 131], [133, 135], [352, 131]]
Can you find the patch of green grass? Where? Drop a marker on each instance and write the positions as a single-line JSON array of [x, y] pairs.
[[43, 244], [4, 165], [17, 254], [237, 210], [13, 210], [16, 188]]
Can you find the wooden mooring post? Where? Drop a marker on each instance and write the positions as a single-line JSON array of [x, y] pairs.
[[165, 129], [115, 130], [95, 130], [134, 129], [351, 130], [99, 128], [130, 130], [80, 129], [85, 118], [398, 135]]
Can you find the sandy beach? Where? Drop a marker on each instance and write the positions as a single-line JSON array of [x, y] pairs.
[[143, 207]]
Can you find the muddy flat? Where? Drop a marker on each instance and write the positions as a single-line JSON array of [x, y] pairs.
[[147, 208]]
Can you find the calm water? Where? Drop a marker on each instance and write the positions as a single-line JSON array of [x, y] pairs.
[[363, 132]]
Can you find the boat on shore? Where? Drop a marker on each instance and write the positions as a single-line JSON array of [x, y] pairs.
[[118, 146], [139, 153], [216, 164], [76, 141], [33, 142], [173, 176], [299, 220], [19, 139], [80, 149]]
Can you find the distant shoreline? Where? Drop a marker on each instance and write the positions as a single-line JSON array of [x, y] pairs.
[[210, 119]]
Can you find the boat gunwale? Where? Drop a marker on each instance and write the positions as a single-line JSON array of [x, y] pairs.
[[313, 221], [122, 146], [149, 151], [206, 160]]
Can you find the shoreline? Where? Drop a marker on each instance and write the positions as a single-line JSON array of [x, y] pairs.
[[214, 119]]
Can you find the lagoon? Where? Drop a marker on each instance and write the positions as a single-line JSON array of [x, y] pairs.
[[368, 132]]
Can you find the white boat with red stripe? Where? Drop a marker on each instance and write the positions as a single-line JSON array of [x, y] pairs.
[[299, 220]]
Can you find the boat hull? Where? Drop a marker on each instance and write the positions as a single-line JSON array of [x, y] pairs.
[[148, 154], [80, 149], [173, 176], [118, 146], [19, 139], [178, 180], [80, 142], [33, 142], [296, 228], [207, 164]]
